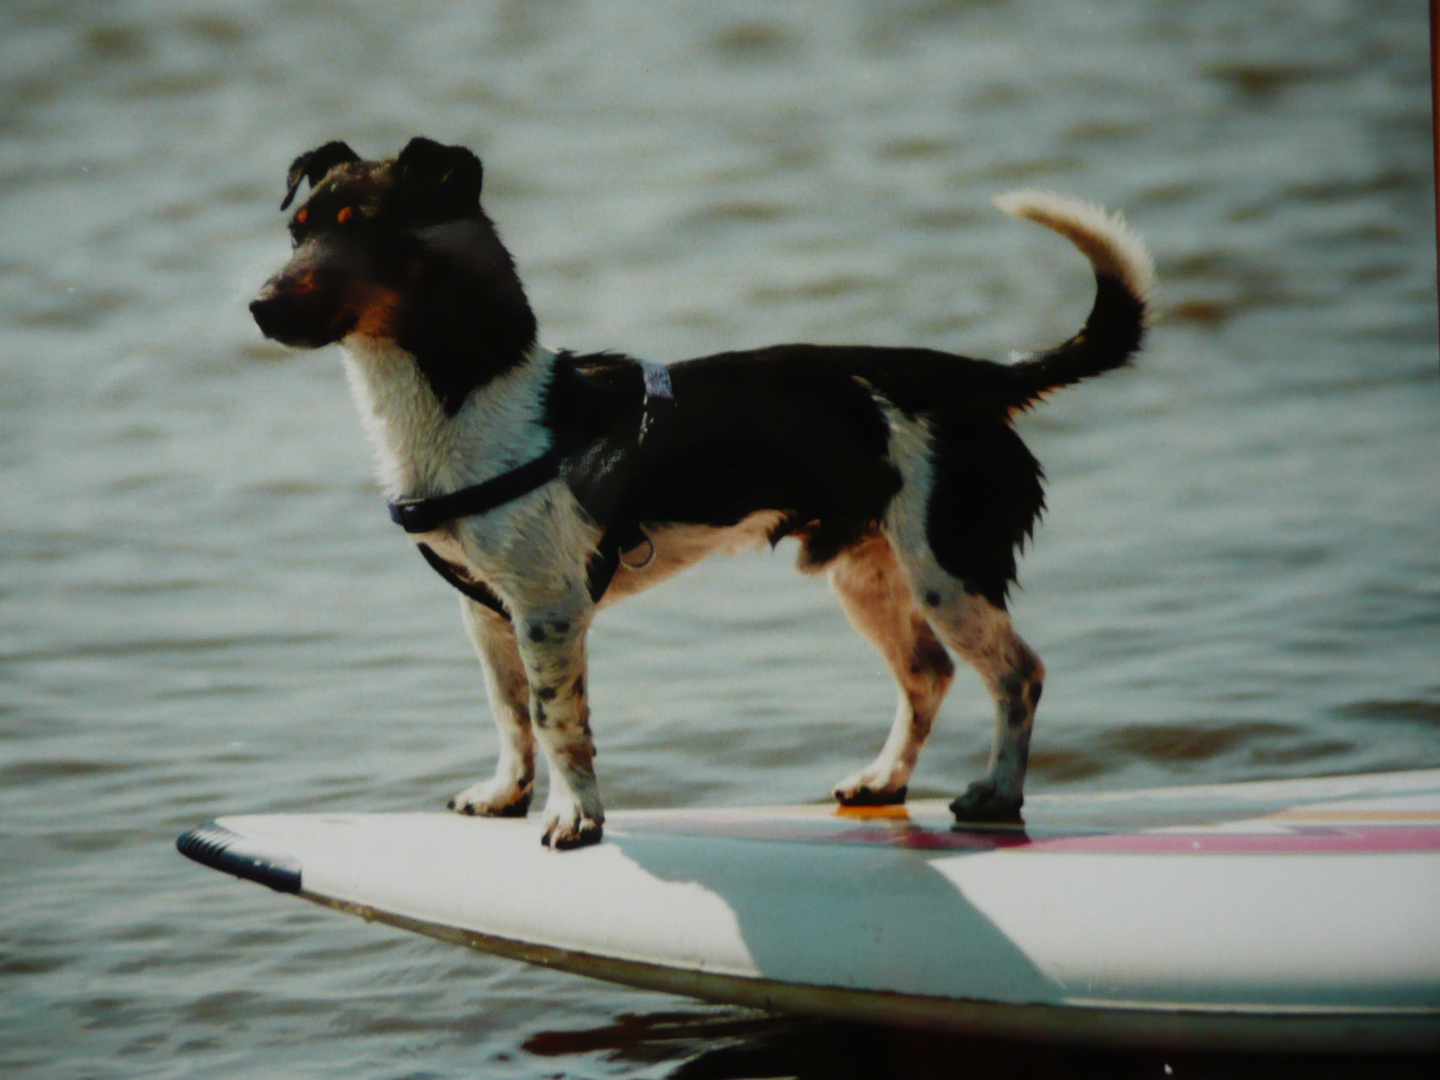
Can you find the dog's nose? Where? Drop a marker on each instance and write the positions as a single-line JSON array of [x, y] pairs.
[[286, 316], [265, 310]]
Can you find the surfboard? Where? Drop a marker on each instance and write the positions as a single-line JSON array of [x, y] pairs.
[[1300, 914]]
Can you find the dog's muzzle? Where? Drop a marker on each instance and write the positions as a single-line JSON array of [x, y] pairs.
[[300, 312]]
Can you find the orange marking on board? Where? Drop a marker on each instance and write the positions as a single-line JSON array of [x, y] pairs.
[[870, 813]]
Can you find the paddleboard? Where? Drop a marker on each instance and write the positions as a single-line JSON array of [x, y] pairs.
[[1297, 914]]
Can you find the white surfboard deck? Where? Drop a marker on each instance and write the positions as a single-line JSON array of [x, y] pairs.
[[1296, 914]]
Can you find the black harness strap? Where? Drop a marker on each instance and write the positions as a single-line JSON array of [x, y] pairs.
[[600, 571], [423, 515], [475, 590]]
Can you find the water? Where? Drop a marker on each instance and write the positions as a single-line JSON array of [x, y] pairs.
[[206, 610]]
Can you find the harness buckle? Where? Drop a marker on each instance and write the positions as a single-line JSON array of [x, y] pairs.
[[410, 515]]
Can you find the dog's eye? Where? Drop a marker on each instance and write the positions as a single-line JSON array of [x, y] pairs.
[[301, 215], [345, 214]]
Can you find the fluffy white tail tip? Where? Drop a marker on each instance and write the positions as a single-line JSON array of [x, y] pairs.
[[1105, 239]]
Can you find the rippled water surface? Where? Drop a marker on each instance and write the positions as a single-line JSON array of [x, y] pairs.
[[206, 610]]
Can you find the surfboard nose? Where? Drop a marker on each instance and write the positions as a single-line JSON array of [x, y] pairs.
[[217, 847]]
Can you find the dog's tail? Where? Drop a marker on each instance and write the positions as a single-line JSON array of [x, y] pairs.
[[1123, 275]]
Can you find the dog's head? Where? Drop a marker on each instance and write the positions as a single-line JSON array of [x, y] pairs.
[[400, 252]]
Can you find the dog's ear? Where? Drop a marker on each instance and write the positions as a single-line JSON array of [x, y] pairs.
[[434, 182], [313, 165]]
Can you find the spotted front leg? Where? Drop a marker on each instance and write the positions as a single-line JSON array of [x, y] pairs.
[[552, 648]]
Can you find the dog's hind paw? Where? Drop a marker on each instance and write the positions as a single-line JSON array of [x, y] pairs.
[[492, 798], [984, 802]]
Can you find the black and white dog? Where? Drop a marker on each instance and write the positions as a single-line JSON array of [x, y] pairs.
[[545, 485]]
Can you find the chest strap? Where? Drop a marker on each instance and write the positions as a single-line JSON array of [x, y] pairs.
[[600, 572], [475, 590], [423, 515]]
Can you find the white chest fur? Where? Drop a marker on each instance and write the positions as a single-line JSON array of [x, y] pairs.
[[533, 550], [420, 451]]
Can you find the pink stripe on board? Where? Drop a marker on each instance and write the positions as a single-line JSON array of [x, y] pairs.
[[1295, 840]]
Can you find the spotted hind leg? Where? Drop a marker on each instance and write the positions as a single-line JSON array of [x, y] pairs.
[[982, 634], [968, 496], [877, 599]]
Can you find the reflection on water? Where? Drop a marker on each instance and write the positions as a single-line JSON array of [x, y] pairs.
[[207, 611], [734, 1046]]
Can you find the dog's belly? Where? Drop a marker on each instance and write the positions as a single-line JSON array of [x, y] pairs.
[[677, 547]]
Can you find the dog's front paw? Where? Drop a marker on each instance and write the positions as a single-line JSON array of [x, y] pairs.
[[493, 798], [984, 801], [571, 827], [865, 789]]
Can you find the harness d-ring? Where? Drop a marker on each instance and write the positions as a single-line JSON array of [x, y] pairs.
[[649, 558]]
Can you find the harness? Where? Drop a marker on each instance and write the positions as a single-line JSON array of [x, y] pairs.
[[424, 515]]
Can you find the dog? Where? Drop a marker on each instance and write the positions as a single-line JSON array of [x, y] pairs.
[[545, 485]]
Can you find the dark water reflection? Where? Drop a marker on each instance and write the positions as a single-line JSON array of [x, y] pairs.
[[206, 611], [697, 1046]]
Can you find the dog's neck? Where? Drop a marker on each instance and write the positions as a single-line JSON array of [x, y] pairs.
[[421, 450]]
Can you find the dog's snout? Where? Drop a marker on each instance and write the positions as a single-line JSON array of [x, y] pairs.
[[268, 311], [296, 310]]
